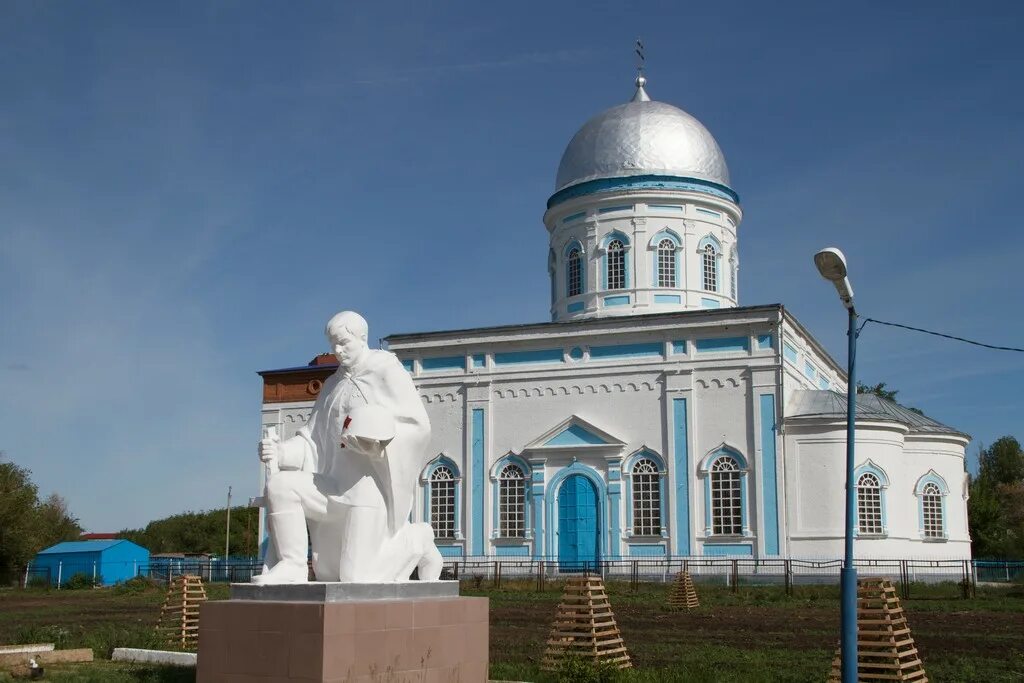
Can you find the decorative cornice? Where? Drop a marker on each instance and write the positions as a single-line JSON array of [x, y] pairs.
[[644, 182]]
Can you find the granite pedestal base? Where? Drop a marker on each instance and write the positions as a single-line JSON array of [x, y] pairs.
[[331, 634]]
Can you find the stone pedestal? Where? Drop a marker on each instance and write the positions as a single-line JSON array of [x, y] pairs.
[[323, 632]]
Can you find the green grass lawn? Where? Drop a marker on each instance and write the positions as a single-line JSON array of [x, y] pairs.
[[754, 634]]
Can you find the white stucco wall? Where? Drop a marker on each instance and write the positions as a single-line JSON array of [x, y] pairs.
[[815, 480]]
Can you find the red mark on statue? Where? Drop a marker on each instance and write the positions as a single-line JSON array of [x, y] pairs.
[[345, 424]]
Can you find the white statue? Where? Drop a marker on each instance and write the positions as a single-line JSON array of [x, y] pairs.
[[351, 473]]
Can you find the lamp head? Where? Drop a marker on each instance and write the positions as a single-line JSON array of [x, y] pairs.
[[832, 265]]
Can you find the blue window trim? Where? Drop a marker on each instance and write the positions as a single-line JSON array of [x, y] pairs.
[[883, 485], [653, 246], [627, 475], [704, 470], [550, 511], [512, 459], [626, 246], [583, 267], [713, 241], [428, 471], [931, 477]]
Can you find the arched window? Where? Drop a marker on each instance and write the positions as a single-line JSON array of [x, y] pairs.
[[616, 265], [646, 498], [666, 263], [869, 504], [512, 502], [710, 257], [726, 497], [442, 502], [931, 511], [574, 272]]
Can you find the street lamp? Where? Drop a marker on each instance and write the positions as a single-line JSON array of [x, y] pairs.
[[832, 265]]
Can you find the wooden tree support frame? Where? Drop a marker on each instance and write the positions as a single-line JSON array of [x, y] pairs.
[[885, 648], [683, 594], [585, 627], [178, 627]]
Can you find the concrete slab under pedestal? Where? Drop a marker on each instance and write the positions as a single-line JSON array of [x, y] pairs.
[[316, 591], [334, 639]]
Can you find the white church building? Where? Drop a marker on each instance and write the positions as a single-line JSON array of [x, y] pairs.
[[654, 416]]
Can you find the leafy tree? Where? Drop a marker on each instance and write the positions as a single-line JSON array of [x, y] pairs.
[[55, 523], [996, 506], [26, 524], [880, 391], [18, 498], [1003, 461]]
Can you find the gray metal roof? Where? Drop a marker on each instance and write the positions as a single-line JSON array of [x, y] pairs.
[[830, 404]]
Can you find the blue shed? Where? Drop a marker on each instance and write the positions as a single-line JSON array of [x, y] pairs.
[[110, 561]]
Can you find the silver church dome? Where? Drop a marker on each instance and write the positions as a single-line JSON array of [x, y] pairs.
[[642, 137]]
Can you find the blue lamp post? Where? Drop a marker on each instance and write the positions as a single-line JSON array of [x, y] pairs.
[[832, 265]]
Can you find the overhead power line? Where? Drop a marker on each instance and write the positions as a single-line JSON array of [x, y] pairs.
[[940, 334]]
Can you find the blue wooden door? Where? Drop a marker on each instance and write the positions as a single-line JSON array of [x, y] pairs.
[[577, 524]]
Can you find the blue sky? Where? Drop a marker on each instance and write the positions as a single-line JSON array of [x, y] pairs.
[[189, 190]]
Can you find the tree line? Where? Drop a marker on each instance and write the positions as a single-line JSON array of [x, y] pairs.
[[28, 523], [995, 508], [200, 532]]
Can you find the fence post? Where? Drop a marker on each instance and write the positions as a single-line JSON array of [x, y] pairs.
[[789, 579], [60, 572], [27, 568], [497, 574], [735, 576], [94, 572]]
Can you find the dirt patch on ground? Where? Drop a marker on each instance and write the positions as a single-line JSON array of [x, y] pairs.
[[519, 631]]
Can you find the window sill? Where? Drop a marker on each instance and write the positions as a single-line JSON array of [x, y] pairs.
[[725, 538], [511, 540], [646, 538], [934, 539], [871, 537], [449, 540]]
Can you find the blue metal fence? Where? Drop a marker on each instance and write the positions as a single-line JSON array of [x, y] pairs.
[[729, 571]]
